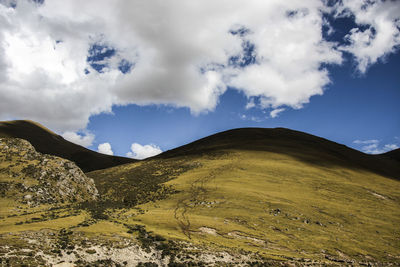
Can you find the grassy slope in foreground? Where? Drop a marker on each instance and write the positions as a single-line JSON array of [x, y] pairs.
[[281, 193], [47, 142]]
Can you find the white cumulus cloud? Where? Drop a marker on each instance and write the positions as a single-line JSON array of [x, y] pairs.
[[139, 151], [373, 146], [85, 139], [274, 113], [250, 104], [105, 148], [178, 53], [366, 142], [389, 147], [378, 34]]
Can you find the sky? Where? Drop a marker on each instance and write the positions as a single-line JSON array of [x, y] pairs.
[[135, 78]]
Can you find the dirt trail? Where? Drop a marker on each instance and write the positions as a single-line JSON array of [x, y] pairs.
[[198, 193]]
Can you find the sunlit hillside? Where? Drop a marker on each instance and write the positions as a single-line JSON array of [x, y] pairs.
[[280, 193], [241, 197]]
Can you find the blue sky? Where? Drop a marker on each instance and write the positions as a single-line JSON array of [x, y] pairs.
[[133, 79], [353, 107]]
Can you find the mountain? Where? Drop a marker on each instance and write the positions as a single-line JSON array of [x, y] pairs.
[[394, 154], [248, 197], [47, 142], [302, 146], [286, 195]]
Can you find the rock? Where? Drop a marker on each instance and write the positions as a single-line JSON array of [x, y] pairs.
[[57, 180]]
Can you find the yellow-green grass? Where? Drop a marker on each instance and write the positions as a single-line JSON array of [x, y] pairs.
[[10, 207], [18, 177], [66, 218], [10, 225], [271, 201], [298, 209], [105, 228]]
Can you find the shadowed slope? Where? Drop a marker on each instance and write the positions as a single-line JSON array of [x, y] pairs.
[[305, 147], [47, 142], [394, 154]]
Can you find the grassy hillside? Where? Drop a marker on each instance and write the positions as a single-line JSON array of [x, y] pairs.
[[283, 194], [47, 142], [238, 198], [299, 145]]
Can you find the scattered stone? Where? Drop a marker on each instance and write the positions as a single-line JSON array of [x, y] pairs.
[[208, 230], [52, 179]]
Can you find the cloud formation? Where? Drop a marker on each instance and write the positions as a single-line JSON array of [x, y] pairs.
[[85, 140], [73, 59], [373, 146], [378, 32], [139, 151], [105, 148], [274, 113]]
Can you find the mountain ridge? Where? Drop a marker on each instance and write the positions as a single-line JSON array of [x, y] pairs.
[[47, 142], [304, 146], [394, 154]]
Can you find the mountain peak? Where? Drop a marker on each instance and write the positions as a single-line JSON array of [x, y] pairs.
[[303, 146]]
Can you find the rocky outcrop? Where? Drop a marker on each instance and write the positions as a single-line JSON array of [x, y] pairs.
[[34, 178]]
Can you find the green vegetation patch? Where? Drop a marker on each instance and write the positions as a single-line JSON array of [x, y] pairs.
[[138, 183]]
